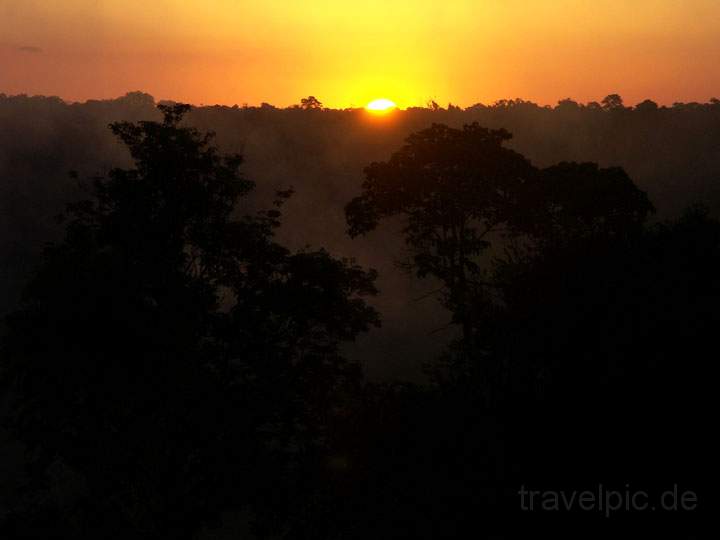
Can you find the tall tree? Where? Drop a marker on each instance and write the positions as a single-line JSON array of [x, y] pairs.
[[169, 348], [455, 190]]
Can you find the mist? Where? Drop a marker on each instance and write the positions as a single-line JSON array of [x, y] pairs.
[[672, 153]]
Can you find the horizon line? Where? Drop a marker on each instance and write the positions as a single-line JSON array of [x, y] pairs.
[[428, 104]]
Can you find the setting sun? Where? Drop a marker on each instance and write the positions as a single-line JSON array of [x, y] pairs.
[[381, 105]]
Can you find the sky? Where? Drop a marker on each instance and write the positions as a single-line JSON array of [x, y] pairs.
[[349, 52]]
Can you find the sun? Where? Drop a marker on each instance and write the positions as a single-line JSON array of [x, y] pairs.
[[381, 106]]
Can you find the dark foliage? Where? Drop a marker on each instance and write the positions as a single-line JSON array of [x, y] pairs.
[[454, 188], [582, 358], [170, 358], [172, 364], [670, 152]]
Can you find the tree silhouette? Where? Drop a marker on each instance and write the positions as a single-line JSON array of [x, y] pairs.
[[601, 319], [475, 213], [612, 102], [171, 358], [580, 201], [454, 188], [310, 102], [646, 106]]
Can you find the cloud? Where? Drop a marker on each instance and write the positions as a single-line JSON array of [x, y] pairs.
[[30, 49]]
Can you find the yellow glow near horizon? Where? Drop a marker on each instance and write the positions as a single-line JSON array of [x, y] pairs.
[[381, 106], [279, 51]]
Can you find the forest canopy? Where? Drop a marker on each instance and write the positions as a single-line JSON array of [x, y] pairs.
[[670, 152], [182, 354]]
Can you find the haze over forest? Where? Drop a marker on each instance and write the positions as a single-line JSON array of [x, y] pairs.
[[309, 271], [670, 152]]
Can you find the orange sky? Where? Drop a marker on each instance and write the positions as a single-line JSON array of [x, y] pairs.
[[349, 52]]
